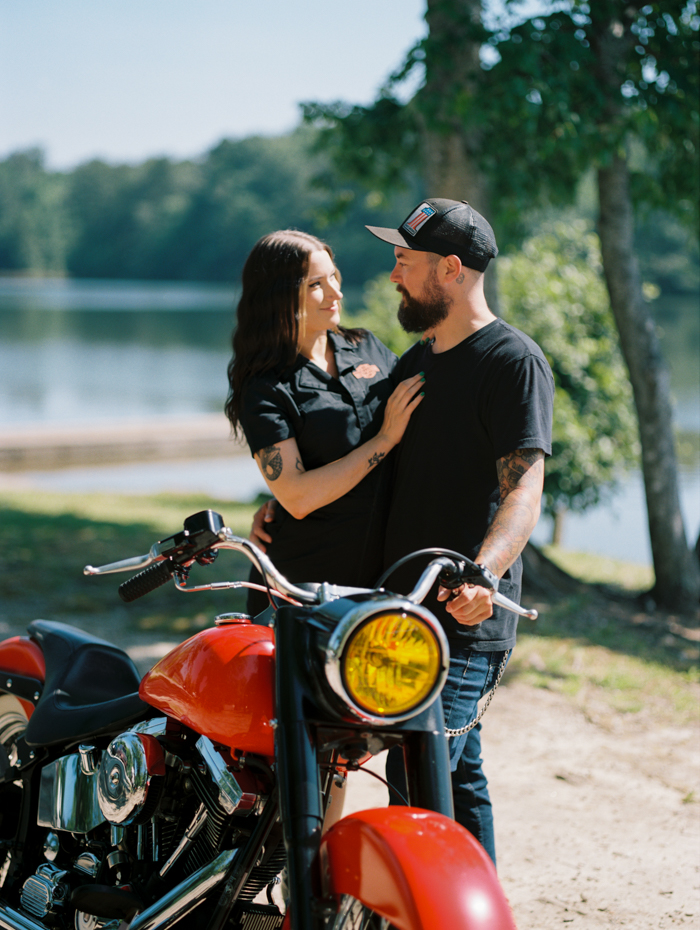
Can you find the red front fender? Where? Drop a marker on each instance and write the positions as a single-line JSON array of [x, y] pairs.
[[420, 870]]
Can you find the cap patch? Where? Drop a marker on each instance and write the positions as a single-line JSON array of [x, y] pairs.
[[418, 218]]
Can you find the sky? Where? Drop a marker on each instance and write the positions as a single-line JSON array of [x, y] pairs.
[[123, 80]]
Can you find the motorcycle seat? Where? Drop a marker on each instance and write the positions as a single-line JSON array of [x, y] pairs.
[[91, 687]]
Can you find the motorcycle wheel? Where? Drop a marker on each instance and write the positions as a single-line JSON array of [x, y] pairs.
[[354, 915], [13, 720]]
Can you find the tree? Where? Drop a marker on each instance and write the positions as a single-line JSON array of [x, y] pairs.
[[382, 145], [605, 86], [616, 87]]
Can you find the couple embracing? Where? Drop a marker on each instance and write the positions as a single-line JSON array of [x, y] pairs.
[[370, 457]]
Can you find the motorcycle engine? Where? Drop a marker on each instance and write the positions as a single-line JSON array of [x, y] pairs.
[[137, 817]]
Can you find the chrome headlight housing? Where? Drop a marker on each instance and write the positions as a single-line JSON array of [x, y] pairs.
[[387, 660]]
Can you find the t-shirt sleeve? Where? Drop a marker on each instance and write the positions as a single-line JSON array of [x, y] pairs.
[[264, 417], [519, 408]]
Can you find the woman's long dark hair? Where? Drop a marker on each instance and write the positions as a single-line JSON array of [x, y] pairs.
[[267, 325]]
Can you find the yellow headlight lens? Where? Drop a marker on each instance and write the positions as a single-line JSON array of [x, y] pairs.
[[391, 664]]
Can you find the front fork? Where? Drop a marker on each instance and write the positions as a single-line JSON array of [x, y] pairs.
[[425, 752]]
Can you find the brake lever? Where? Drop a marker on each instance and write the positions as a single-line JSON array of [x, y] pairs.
[[467, 572]]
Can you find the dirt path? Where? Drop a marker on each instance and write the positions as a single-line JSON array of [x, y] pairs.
[[592, 828]]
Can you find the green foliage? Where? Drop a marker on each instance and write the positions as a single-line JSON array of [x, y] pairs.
[[573, 88], [380, 303], [552, 289], [192, 220], [34, 228]]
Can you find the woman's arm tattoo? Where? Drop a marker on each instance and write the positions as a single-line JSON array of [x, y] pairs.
[[271, 462], [299, 465], [375, 459]]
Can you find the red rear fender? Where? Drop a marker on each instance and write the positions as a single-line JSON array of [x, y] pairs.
[[20, 655], [418, 869]]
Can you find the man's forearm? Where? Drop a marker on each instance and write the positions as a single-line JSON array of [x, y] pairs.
[[520, 478], [510, 530]]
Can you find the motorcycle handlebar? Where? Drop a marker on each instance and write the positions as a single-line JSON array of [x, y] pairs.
[[205, 532]]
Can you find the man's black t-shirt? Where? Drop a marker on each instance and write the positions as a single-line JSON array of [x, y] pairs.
[[329, 417], [486, 397]]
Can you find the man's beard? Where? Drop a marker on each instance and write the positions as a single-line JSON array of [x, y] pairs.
[[416, 314]]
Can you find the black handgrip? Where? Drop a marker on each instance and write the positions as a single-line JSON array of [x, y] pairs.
[[147, 580]]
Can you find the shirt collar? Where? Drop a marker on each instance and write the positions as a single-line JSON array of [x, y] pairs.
[[347, 355]]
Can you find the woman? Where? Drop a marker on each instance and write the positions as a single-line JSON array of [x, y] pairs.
[[316, 405]]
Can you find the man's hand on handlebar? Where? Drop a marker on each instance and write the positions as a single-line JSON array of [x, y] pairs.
[[468, 604], [264, 514]]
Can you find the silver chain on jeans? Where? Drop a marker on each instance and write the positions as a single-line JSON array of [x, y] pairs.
[[489, 698]]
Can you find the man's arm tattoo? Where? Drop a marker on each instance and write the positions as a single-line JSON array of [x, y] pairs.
[[520, 478], [515, 470], [271, 462], [375, 459]]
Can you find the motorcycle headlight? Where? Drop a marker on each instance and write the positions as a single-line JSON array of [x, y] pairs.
[[387, 665]]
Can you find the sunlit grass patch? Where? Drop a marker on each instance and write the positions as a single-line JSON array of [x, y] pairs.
[[599, 679], [599, 569]]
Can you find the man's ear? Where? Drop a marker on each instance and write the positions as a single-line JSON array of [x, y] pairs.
[[452, 269]]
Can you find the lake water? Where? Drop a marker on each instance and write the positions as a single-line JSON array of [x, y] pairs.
[[91, 351]]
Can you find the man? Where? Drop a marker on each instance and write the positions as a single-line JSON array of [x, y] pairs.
[[469, 471]]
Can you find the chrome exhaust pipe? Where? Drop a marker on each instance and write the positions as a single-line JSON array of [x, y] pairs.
[[13, 920], [178, 902]]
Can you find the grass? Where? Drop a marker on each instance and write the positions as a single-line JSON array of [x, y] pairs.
[[47, 538], [603, 653], [606, 653]]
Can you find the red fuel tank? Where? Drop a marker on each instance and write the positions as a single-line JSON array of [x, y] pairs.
[[221, 684]]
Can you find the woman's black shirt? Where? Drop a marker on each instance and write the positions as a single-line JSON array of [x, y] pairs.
[[329, 417]]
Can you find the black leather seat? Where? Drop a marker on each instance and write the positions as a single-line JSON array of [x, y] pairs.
[[91, 687]]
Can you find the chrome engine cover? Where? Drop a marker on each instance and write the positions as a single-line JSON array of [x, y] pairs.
[[68, 797], [123, 779], [44, 891]]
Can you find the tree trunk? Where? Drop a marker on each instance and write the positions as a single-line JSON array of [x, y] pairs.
[[677, 577], [450, 147], [558, 526]]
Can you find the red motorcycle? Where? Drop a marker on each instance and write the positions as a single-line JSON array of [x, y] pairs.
[[180, 799]]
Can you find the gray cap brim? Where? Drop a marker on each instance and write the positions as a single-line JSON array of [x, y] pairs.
[[392, 236]]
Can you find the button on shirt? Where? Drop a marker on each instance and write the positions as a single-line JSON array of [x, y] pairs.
[[329, 417]]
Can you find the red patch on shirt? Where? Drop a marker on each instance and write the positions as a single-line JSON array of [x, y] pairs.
[[366, 371]]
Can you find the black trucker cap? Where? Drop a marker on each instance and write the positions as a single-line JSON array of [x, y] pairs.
[[446, 227]]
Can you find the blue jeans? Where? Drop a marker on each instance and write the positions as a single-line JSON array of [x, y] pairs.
[[471, 675]]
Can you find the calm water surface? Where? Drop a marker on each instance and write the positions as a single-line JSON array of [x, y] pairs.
[[88, 351]]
